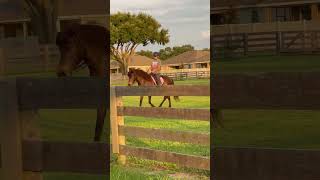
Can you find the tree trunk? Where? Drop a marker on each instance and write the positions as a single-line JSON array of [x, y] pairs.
[[123, 69], [43, 19]]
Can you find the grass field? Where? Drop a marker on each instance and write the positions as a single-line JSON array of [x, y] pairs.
[[78, 125], [284, 63], [255, 128], [269, 128]]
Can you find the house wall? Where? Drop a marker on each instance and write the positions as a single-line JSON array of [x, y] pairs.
[[245, 15], [269, 22]]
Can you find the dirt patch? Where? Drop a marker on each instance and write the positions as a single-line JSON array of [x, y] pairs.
[[186, 176]]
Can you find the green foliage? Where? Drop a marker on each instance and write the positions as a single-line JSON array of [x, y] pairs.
[[146, 53], [169, 52], [128, 31], [136, 29]]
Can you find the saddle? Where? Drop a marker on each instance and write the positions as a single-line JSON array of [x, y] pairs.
[[155, 82]]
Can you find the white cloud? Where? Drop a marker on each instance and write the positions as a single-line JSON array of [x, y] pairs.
[[183, 18], [205, 34]]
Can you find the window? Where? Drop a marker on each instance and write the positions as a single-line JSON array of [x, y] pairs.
[[281, 14], [295, 12], [217, 19], [306, 12], [254, 16], [187, 66]]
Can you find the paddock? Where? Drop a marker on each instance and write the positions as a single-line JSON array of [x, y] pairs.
[[22, 145]]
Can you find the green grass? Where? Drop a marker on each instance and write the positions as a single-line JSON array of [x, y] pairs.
[[78, 125], [270, 129], [257, 128], [258, 64]]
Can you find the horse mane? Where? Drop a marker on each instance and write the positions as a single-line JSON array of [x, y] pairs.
[[141, 73]]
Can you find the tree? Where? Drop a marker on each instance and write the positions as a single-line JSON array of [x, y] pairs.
[[43, 14], [169, 52], [145, 53], [128, 31]]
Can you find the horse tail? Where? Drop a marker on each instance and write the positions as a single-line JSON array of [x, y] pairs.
[[176, 98], [217, 117]]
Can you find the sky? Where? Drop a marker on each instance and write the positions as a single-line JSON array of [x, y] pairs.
[[188, 21]]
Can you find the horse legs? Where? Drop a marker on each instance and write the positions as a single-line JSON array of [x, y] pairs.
[[99, 71], [141, 99], [164, 99], [150, 101], [169, 101], [101, 114]]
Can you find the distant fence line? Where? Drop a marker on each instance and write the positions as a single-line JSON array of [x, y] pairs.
[[265, 27], [179, 74], [22, 60], [243, 44], [35, 58]]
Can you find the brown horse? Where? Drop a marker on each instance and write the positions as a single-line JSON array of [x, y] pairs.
[[85, 45], [145, 79]]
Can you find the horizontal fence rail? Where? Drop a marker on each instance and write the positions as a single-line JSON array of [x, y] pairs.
[[243, 44], [265, 163], [267, 91], [170, 113], [80, 92], [186, 90], [89, 158], [170, 135], [120, 131], [180, 159]]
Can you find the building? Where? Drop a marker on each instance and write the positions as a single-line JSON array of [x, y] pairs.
[[188, 60], [264, 15], [85, 12], [137, 61], [14, 21]]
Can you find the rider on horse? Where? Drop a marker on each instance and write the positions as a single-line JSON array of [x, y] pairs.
[[155, 68]]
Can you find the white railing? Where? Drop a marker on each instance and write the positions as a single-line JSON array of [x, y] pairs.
[[265, 27]]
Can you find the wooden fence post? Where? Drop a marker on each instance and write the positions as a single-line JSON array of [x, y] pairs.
[[245, 44], [10, 132], [116, 120], [3, 62], [46, 57], [122, 139], [278, 42], [31, 131]]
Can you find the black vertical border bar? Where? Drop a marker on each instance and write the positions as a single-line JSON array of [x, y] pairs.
[[211, 97], [107, 90]]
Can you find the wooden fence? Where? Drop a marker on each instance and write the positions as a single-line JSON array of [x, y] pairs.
[[23, 154], [21, 60], [175, 75], [243, 44], [265, 27], [198, 74], [295, 91], [120, 130]]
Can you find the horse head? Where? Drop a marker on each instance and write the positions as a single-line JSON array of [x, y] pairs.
[[132, 76], [67, 42]]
